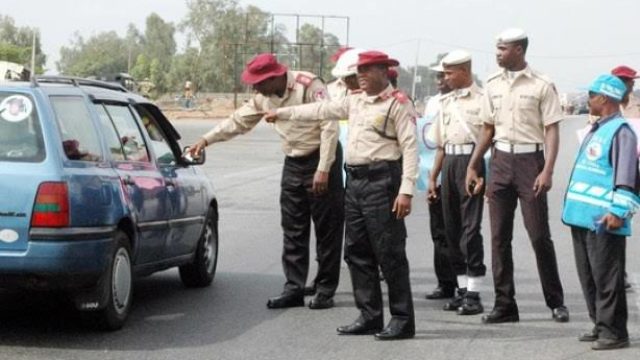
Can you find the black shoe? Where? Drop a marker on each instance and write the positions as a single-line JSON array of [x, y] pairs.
[[309, 290], [456, 302], [561, 314], [321, 301], [609, 344], [397, 330], [471, 304], [440, 293], [497, 316], [285, 301], [589, 337], [360, 327]]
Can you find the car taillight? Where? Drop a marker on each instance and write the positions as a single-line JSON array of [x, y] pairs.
[[51, 208]]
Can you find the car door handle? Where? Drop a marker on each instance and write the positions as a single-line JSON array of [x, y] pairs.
[[128, 180]]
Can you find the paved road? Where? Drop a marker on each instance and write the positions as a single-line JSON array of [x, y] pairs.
[[230, 321]]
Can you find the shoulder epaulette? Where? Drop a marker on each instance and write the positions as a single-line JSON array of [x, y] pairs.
[[304, 79], [494, 76], [445, 96], [541, 76], [400, 96]]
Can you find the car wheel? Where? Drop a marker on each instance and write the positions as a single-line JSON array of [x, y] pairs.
[[201, 271], [118, 286]]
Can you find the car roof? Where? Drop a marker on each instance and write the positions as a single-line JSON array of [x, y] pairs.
[[96, 90]]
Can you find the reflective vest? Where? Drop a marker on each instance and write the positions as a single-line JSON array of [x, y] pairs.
[[591, 193]]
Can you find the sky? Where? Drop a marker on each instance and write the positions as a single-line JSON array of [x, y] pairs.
[[572, 41]]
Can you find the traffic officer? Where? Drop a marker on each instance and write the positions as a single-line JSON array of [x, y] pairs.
[[445, 276], [381, 174], [630, 105], [455, 132], [521, 114], [600, 200], [311, 186], [345, 72]]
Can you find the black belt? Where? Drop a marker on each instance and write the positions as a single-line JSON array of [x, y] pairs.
[[371, 170]]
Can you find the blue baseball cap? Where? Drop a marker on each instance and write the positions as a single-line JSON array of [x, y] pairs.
[[609, 85]]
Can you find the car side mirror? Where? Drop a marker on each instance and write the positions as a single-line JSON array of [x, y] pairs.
[[190, 160]]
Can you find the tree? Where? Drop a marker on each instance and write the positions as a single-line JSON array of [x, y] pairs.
[[159, 47], [315, 57], [16, 43], [226, 36], [101, 55]]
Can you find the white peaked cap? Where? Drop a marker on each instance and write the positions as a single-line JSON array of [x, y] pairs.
[[511, 35], [456, 57], [438, 68]]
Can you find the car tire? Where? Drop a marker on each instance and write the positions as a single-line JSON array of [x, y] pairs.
[[118, 286], [202, 270]]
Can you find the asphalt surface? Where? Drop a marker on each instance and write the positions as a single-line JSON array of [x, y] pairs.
[[229, 320]]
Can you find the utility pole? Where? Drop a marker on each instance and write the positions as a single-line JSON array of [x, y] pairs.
[[33, 54], [415, 72]]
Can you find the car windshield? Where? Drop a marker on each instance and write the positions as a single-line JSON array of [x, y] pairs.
[[20, 133]]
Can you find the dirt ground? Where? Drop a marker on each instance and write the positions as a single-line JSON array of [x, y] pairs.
[[206, 106]]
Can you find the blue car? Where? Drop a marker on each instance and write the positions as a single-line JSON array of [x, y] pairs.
[[94, 191]]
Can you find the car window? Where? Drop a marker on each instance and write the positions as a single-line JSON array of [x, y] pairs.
[[159, 142], [110, 134], [20, 133], [135, 148], [79, 137]]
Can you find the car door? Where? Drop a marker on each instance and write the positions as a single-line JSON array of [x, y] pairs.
[[186, 191], [143, 183]]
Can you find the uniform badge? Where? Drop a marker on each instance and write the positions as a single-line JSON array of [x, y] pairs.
[[320, 94], [594, 151]]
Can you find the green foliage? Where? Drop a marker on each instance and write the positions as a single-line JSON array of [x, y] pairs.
[[103, 54], [16, 42], [222, 37], [315, 56]]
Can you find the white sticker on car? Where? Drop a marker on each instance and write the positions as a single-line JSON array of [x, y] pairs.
[[8, 236], [16, 108]]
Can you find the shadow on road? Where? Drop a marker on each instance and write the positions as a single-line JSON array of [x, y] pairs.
[[164, 315]]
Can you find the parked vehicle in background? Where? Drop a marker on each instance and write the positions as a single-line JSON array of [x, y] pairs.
[[95, 191]]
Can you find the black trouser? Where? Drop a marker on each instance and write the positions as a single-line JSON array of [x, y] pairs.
[[298, 206], [511, 178], [444, 272], [464, 218], [375, 238], [600, 260]]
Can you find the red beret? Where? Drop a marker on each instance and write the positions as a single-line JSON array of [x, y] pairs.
[[262, 67], [376, 58], [341, 50], [623, 71]]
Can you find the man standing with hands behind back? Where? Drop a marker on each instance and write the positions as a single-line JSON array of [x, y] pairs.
[[521, 112]]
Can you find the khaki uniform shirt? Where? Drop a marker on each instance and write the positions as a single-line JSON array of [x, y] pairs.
[[298, 138], [520, 108], [632, 110], [366, 115], [459, 120], [337, 89]]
